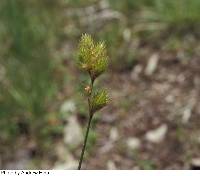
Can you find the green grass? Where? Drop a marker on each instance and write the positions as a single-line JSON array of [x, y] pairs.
[[28, 86], [181, 15]]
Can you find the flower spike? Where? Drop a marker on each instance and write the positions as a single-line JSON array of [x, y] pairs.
[[93, 59]]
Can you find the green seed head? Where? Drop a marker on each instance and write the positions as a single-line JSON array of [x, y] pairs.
[[99, 100], [92, 56]]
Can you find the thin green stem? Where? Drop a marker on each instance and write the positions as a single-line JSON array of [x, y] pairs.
[[85, 142], [88, 128]]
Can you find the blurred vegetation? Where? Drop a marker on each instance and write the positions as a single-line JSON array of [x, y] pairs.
[[118, 22], [179, 15], [32, 32], [28, 41]]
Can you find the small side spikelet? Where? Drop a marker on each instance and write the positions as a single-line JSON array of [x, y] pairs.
[[92, 56], [99, 100]]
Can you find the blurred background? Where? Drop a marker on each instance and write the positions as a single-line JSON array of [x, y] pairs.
[[153, 120]]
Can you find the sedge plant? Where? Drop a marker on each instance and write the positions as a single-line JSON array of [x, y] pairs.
[[92, 59]]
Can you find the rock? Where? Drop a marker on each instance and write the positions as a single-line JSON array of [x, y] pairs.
[[67, 107], [65, 158], [127, 34], [195, 164], [104, 4], [169, 98], [114, 135], [69, 163], [187, 112], [135, 73], [73, 135], [133, 143], [111, 165], [186, 115], [152, 65], [61, 151], [157, 135]]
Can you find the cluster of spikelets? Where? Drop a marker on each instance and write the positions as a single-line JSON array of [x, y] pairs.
[[93, 59]]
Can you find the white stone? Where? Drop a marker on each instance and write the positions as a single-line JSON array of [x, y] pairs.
[[196, 162], [114, 135], [111, 165], [104, 4], [136, 72], [73, 135], [65, 159], [157, 135], [67, 107], [127, 34], [186, 115], [170, 99], [133, 143], [68, 164], [152, 64], [187, 112]]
